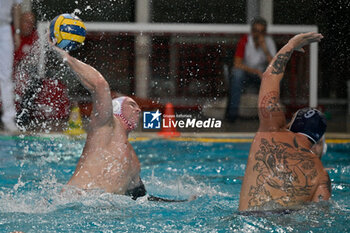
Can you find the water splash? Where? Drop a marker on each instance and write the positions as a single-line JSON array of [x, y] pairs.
[[182, 187]]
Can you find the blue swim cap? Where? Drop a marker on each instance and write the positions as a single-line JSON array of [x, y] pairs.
[[310, 122]]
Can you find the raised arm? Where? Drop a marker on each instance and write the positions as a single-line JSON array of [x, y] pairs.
[[271, 115], [92, 80]]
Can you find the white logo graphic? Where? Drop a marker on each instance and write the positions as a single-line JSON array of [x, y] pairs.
[[151, 120], [155, 120]]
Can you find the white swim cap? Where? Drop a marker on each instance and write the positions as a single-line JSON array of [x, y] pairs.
[[117, 104]]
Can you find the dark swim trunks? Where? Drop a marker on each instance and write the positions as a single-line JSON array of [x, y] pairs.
[[139, 191]]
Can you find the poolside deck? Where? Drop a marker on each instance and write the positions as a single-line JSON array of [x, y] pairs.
[[225, 137], [242, 130]]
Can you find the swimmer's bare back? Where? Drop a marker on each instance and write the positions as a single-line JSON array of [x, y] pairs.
[[281, 172]]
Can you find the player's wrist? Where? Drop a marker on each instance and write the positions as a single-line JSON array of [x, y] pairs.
[[60, 52], [290, 46]]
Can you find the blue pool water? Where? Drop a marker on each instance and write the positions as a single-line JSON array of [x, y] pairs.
[[34, 169]]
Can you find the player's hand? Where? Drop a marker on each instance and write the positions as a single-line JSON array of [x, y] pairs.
[[60, 51], [302, 39]]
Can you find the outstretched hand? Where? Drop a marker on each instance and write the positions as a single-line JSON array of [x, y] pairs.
[[302, 39]]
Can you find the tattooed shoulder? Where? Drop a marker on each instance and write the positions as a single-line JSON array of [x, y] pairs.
[[270, 103]]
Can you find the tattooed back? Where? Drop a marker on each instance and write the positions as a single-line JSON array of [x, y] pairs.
[[281, 172]]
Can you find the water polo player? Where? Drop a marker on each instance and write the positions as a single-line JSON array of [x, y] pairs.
[[108, 161], [282, 171]]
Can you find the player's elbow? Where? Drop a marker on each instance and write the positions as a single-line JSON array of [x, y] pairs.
[[266, 75], [100, 84], [323, 193], [321, 197]]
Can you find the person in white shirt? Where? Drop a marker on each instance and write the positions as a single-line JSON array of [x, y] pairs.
[[10, 12], [253, 54]]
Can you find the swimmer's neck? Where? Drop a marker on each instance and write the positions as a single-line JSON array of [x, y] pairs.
[[125, 128], [303, 140]]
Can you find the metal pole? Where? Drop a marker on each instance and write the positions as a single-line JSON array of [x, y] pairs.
[[142, 50], [42, 26], [313, 75], [266, 10], [252, 9], [26, 5]]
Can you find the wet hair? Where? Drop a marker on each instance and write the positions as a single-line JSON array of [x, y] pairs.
[[309, 122], [258, 20]]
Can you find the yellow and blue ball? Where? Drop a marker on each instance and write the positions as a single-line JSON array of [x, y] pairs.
[[67, 31]]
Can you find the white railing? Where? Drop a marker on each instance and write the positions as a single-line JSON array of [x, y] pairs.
[[140, 28]]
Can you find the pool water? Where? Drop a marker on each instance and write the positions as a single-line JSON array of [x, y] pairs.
[[34, 169]]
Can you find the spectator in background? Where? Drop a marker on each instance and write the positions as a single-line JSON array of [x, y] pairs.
[[7, 46], [253, 54], [26, 74], [28, 36]]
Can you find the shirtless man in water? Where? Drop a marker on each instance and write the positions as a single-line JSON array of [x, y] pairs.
[[282, 170], [108, 161]]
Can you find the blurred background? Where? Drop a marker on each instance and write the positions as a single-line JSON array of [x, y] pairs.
[[191, 68]]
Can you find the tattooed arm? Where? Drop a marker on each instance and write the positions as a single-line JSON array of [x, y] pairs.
[[271, 115]]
